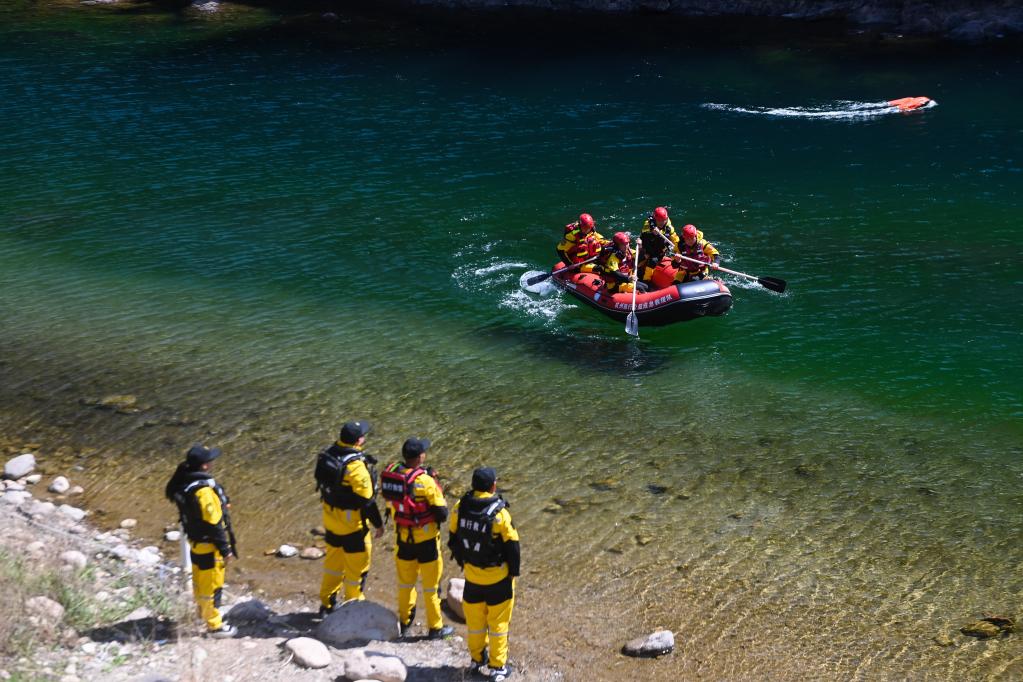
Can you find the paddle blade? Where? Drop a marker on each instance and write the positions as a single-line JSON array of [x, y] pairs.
[[772, 283], [537, 279], [632, 325]]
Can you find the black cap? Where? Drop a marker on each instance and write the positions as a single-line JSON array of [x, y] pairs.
[[200, 454], [353, 431], [414, 447], [483, 479]]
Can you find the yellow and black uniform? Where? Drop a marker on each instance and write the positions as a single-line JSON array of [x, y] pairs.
[[654, 247], [578, 245], [701, 250], [486, 545], [416, 503], [347, 491], [616, 269], [203, 507]]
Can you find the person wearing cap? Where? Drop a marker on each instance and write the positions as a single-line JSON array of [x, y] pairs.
[[203, 509], [615, 265], [346, 482], [416, 503], [581, 242], [695, 247], [485, 544]]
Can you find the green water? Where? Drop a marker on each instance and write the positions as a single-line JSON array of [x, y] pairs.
[[263, 232]]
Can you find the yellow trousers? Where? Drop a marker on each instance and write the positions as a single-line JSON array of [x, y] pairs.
[[487, 622], [415, 561], [207, 584], [346, 563]]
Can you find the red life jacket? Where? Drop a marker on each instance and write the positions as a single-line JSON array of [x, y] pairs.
[[696, 251], [588, 247], [396, 486]]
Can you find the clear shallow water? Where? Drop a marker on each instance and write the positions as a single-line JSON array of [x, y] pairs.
[[262, 236]]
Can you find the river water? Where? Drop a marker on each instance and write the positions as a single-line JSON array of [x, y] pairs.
[[262, 232]]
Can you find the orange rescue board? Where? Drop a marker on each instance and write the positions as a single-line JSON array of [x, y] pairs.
[[909, 103]]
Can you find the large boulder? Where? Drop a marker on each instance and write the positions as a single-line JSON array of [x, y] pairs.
[[308, 652], [22, 465], [657, 643], [356, 623], [359, 664], [456, 588]]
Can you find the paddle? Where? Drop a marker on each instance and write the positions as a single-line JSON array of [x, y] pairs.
[[547, 275], [631, 323], [772, 283]]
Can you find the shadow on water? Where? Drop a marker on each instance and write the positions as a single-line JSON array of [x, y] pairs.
[[604, 349]]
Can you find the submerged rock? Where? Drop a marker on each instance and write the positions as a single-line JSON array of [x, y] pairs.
[[991, 626], [657, 643]]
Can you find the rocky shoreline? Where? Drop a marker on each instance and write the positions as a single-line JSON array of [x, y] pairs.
[[116, 611]]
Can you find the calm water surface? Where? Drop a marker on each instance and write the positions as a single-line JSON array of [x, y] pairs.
[[261, 236]]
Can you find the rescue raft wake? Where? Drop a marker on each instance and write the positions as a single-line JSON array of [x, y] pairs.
[[838, 110]]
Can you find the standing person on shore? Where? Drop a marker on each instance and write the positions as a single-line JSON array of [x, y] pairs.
[[485, 544], [203, 508], [416, 503], [347, 485]]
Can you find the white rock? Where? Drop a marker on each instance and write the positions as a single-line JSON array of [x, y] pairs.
[[22, 465], [44, 611], [312, 553], [657, 643], [285, 551], [129, 523], [73, 513], [76, 490], [358, 622], [39, 508], [16, 497], [35, 549], [60, 485], [146, 558], [102, 596], [456, 587], [33, 479], [372, 665], [122, 552], [172, 535], [308, 652], [14, 485], [141, 613], [90, 648], [74, 558], [249, 611]]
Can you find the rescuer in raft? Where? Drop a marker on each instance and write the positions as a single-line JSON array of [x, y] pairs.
[[657, 228], [615, 265], [581, 242], [696, 247]]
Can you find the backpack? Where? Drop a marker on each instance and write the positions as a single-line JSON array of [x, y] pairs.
[[397, 487], [330, 471]]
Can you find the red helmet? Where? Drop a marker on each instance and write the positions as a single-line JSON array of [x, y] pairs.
[[660, 213], [689, 232], [622, 239], [586, 221]]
